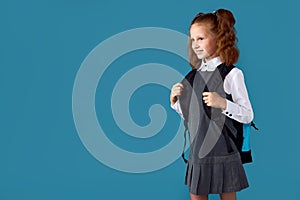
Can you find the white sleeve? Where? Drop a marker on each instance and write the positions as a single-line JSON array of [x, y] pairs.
[[177, 108], [240, 109]]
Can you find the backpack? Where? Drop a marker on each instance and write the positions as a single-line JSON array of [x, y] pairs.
[[242, 138]]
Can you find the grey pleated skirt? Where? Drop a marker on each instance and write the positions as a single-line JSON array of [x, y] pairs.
[[216, 175]]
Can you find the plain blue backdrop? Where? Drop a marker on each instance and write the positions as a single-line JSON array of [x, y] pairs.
[[42, 46]]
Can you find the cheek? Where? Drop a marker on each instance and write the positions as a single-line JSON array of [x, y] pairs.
[[193, 45], [211, 48]]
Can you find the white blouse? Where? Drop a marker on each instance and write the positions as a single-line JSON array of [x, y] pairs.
[[240, 109]]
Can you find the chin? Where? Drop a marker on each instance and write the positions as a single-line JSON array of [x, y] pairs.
[[201, 57]]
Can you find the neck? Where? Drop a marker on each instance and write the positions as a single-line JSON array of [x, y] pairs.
[[209, 58]]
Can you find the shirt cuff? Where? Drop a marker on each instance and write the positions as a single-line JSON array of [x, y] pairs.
[[177, 108], [231, 108], [175, 105]]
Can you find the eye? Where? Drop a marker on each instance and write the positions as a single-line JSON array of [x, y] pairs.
[[201, 38]]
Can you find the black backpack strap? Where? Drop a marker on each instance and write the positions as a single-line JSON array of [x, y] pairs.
[[185, 97], [224, 70], [253, 125], [182, 155], [184, 101]]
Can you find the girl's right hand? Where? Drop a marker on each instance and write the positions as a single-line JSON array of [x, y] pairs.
[[175, 92]]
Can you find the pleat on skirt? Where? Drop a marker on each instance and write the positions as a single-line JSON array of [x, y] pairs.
[[216, 175]]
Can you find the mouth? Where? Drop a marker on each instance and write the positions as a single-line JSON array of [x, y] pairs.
[[198, 51]]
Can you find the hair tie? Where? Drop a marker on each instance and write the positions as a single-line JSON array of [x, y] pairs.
[[215, 12]]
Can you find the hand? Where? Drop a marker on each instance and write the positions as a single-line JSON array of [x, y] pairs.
[[214, 100], [175, 92]]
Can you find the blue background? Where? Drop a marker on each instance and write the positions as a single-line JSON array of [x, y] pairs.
[[42, 46]]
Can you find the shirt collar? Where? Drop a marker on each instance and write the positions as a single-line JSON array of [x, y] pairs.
[[211, 65]]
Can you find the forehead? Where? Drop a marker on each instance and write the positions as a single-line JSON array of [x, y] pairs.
[[198, 29]]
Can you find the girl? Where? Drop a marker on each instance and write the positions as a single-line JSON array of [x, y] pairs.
[[214, 164]]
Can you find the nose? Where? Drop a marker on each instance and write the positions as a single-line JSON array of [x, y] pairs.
[[195, 45]]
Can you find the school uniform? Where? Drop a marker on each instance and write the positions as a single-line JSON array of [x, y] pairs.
[[214, 163]]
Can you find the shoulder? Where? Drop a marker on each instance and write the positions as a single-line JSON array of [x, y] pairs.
[[234, 77], [234, 82], [235, 73], [190, 75]]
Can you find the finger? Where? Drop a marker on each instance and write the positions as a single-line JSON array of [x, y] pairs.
[[205, 99], [178, 85], [174, 89], [206, 93], [176, 93], [178, 89]]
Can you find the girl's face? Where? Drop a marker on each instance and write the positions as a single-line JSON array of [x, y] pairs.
[[204, 43]]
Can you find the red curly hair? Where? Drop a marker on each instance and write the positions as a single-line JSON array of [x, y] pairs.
[[221, 24]]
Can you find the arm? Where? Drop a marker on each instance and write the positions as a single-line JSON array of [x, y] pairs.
[[240, 108], [177, 108], [175, 92]]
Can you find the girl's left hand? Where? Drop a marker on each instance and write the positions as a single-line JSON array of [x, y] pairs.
[[214, 100]]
